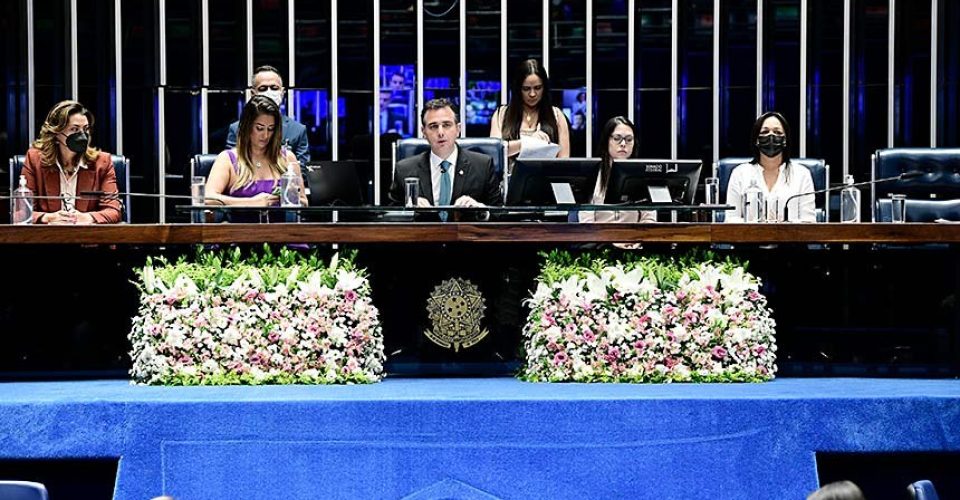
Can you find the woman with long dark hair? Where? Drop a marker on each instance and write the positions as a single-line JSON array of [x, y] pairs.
[[530, 113], [248, 174], [774, 174], [617, 141]]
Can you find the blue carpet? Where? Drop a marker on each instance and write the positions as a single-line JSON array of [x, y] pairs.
[[475, 438]]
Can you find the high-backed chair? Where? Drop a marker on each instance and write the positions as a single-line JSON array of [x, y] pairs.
[[921, 210], [202, 164], [923, 490], [121, 167], [940, 180], [490, 146], [819, 170], [22, 490]]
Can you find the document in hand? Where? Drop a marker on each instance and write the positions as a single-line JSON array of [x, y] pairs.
[[534, 148]]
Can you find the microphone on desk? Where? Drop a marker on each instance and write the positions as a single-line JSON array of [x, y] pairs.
[[902, 177]]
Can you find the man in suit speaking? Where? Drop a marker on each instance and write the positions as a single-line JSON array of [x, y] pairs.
[[449, 175]]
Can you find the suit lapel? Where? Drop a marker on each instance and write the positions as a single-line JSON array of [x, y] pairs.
[[426, 177], [460, 173], [51, 179]]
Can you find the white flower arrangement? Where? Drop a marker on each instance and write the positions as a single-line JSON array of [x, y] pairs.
[[261, 320], [647, 320]]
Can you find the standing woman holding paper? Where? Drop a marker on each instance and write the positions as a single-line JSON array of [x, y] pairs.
[[530, 119]]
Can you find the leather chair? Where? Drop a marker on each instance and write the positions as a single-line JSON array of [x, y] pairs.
[[202, 164], [490, 146], [940, 179], [121, 167], [819, 170], [22, 490], [921, 210], [923, 490]]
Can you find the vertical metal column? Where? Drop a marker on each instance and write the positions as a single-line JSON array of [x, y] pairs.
[[846, 87], [674, 66], [759, 57], [631, 59], [503, 52], [74, 76], [463, 64], [118, 70], [420, 43], [804, 18], [376, 103], [31, 78], [934, 27], [249, 47], [546, 35], [161, 112], [716, 80], [335, 84], [291, 60], [589, 121], [891, 67], [205, 77]]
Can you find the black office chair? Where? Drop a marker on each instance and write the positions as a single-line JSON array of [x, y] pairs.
[[202, 164], [819, 170], [921, 210], [121, 167], [923, 490], [940, 179], [22, 490]]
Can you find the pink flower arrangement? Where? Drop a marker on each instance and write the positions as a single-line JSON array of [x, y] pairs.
[[266, 320], [649, 320]]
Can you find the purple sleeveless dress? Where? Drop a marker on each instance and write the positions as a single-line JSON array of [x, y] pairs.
[[249, 191]]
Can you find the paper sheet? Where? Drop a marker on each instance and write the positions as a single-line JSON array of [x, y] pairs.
[[535, 148]]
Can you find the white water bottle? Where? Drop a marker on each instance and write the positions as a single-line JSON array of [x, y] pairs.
[[21, 204], [290, 188], [849, 202], [754, 207]]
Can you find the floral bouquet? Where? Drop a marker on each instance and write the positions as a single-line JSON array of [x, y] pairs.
[[225, 319], [647, 319]]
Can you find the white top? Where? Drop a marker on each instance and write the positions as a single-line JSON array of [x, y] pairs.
[[435, 173], [802, 208], [68, 186], [599, 196]]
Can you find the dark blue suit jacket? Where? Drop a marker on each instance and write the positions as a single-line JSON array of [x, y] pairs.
[[294, 137]]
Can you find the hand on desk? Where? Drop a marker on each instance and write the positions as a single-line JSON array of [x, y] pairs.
[[264, 200], [466, 201], [68, 217]]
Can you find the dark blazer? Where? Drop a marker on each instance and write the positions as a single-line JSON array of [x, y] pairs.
[[44, 180], [294, 137], [474, 176]]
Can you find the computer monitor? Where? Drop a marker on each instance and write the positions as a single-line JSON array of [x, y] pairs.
[[653, 181], [532, 179], [333, 183]]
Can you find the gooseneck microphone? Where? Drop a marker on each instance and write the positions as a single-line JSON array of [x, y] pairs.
[[902, 177]]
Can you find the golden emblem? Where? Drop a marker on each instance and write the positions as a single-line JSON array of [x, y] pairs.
[[455, 309]]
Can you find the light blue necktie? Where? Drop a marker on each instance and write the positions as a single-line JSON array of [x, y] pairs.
[[446, 187]]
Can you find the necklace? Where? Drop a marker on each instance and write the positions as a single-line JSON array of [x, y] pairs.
[[258, 164]]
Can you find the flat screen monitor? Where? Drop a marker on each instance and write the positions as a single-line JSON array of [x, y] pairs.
[[333, 183], [532, 179], [644, 182]]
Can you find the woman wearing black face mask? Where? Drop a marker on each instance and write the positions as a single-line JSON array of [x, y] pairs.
[[773, 173], [62, 164]]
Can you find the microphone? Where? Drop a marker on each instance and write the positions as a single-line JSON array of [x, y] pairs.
[[902, 177]]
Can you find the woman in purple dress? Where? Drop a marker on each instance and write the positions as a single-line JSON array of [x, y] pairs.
[[249, 174]]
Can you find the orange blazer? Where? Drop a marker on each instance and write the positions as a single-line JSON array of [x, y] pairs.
[[44, 180]]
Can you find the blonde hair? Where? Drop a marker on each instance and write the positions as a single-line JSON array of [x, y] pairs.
[[258, 105], [57, 120]]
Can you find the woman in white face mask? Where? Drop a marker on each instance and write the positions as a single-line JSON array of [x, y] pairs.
[[773, 174], [61, 164]]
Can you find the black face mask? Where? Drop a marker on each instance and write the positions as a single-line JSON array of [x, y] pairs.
[[77, 142], [771, 145]]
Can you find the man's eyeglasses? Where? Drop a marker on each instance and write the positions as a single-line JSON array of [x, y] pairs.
[[626, 139]]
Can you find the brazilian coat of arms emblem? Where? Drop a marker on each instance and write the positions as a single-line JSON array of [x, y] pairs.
[[455, 309]]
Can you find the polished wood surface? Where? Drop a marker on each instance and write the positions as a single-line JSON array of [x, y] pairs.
[[162, 234]]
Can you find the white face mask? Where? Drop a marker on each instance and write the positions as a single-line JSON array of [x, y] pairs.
[[275, 95]]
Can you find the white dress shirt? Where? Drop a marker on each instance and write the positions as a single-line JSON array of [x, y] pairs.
[[795, 180], [68, 186], [435, 174]]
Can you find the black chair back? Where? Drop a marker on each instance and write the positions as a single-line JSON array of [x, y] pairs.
[[940, 179]]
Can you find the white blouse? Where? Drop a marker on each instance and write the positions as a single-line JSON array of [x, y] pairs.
[[795, 180]]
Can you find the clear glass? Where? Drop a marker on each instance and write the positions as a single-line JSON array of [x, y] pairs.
[[850, 203], [290, 184], [711, 196], [411, 191], [753, 205], [898, 208], [773, 209], [197, 196]]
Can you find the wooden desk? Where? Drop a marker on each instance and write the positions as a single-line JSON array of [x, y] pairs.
[[169, 234]]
